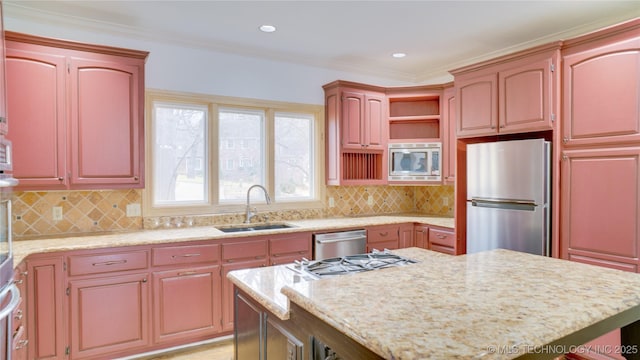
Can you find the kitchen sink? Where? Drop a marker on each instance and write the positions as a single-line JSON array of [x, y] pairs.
[[254, 227]]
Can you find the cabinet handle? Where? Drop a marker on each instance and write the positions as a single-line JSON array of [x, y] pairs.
[[259, 257], [441, 236], [384, 233], [493, 126], [18, 282], [184, 273], [275, 255], [185, 255], [302, 252], [109, 263], [18, 315]]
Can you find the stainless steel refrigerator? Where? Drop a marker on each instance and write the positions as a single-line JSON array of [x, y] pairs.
[[508, 196]]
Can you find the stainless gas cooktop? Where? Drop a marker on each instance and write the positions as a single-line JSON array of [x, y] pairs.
[[350, 264]]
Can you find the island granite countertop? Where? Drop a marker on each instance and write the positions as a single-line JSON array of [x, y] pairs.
[[23, 248], [498, 304]]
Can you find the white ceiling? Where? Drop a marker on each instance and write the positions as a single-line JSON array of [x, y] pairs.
[[356, 36]]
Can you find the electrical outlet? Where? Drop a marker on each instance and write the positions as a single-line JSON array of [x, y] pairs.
[[133, 210], [57, 213], [445, 201], [370, 200], [332, 202]]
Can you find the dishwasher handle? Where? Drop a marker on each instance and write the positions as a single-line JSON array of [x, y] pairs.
[[329, 241]]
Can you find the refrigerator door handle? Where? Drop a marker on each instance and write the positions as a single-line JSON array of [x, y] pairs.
[[504, 204]]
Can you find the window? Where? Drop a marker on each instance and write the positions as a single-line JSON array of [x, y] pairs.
[[293, 159], [242, 126], [179, 143], [207, 151]]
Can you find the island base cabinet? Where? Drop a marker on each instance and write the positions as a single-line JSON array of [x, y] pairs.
[[186, 303], [98, 330], [249, 320], [261, 336]]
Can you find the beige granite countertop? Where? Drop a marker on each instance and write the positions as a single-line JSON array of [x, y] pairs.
[[492, 305], [24, 248]]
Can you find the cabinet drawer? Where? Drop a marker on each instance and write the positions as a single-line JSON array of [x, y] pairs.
[[295, 243], [190, 254], [387, 233], [244, 250], [441, 237], [104, 263]]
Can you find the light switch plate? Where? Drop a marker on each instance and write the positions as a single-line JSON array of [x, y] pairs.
[[133, 210], [57, 213], [332, 202], [370, 200]]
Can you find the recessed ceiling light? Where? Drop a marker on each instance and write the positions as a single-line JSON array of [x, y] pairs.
[[398, 55], [267, 28]]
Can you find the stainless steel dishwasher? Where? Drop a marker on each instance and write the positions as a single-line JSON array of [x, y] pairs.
[[338, 244]]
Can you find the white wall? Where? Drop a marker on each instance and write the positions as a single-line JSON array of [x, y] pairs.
[[180, 68]]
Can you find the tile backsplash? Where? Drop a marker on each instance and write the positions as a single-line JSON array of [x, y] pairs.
[[85, 212]]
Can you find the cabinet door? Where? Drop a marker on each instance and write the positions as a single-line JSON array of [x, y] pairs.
[[227, 289], [449, 146], [186, 303], [406, 236], [374, 122], [525, 97], [106, 124], [601, 94], [353, 109], [477, 105], [280, 343], [45, 309], [600, 206], [421, 236], [249, 332], [37, 132], [108, 315]]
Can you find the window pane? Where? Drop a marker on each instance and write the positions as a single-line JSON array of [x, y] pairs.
[[293, 156], [242, 133], [179, 154]]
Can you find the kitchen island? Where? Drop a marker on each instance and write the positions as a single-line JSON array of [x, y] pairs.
[[491, 305]]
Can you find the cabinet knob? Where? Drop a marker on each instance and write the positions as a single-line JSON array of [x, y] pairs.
[[144, 280], [493, 126], [565, 139], [60, 178], [136, 178], [18, 315], [502, 126]]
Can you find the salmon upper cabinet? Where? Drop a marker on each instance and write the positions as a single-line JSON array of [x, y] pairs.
[[78, 114], [356, 134], [601, 88], [512, 94]]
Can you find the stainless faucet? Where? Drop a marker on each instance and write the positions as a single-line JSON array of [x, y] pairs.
[[253, 213]]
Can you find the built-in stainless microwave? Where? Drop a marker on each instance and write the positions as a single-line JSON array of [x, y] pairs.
[[415, 162]]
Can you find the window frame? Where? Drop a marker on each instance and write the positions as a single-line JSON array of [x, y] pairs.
[[213, 103]]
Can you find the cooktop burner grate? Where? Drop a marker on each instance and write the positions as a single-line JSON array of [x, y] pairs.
[[353, 263]]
